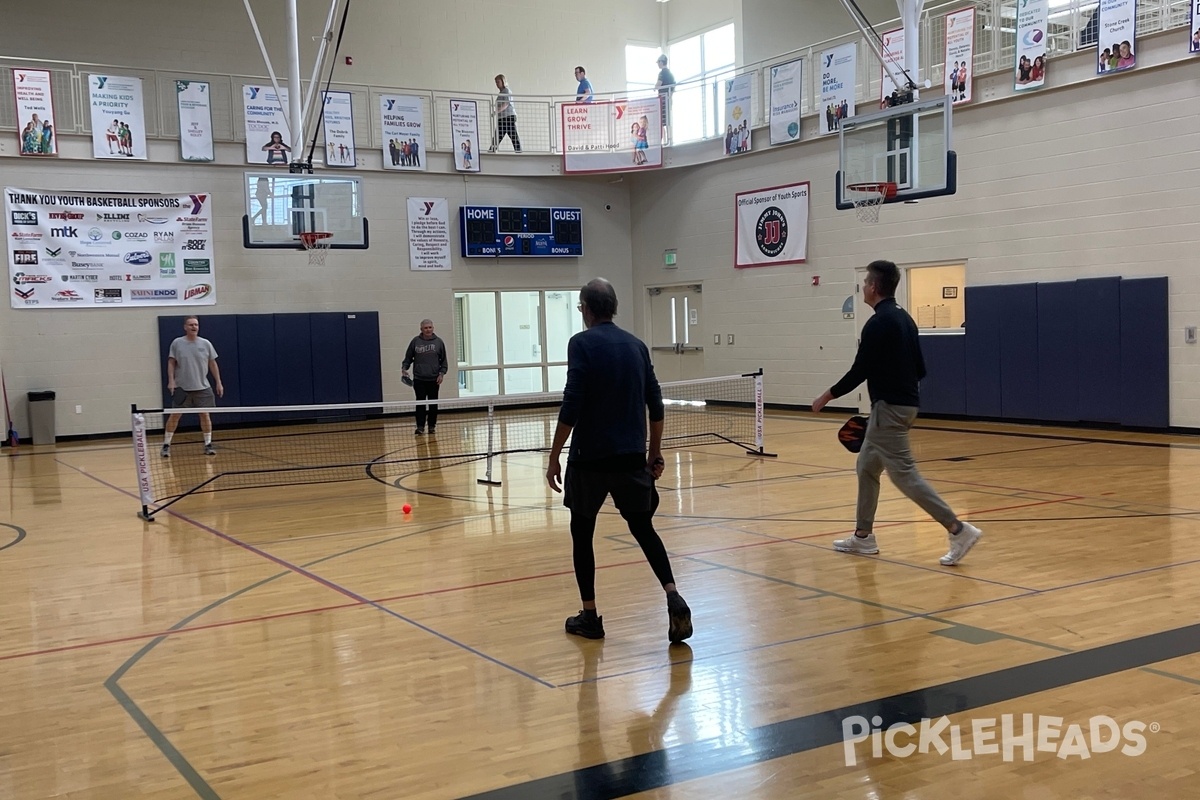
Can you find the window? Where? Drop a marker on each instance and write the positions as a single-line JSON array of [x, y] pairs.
[[701, 64], [514, 342], [936, 296], [641, 68]]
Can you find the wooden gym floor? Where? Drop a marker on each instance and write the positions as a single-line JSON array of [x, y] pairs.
[[315, 642]]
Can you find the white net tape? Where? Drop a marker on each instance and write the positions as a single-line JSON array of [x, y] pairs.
[[867, 199]]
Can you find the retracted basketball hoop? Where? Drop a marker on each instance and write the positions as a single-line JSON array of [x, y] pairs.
[[868, 197], [317, 244]]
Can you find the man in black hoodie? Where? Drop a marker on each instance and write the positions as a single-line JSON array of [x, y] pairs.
[[427, 356]]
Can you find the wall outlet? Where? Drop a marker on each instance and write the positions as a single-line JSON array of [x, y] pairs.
[[730, 340], [716, 338], [1189, 334], [78, 409]]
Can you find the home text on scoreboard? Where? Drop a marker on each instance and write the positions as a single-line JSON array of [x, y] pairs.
[[520, 232]]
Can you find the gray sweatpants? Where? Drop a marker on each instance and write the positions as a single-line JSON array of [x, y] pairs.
[[886, 447]]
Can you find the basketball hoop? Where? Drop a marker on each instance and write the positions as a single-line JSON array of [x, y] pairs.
[[868, 197], [317, 244]]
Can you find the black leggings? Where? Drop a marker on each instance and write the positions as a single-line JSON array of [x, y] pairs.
[[584, 557]]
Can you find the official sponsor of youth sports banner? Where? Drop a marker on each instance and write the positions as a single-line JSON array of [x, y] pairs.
[[268, 136], [1033, 19], [737, 115], [338, 123], [838, 70], [785, 101], [1116, 36], [91, 249], [402, 121], [960, 55], [1194, 28], [892, 44], [428, 234], [118, 123], [195, 120], [35, 113], [771, 226], [611, 136], [464, 134]]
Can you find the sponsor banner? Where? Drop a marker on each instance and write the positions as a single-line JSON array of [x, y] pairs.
[[1033, 19], [892, 44], [785, 101], [737, 115], [195, 120], [771, 226], [839, 67], [428, 233], [35, 113], [1117, 42], [403, 125], [268, 135], [1194, 28], [960, 55], [464, 130], [118, 123], [612, 136], [108, 249], [338, 123]]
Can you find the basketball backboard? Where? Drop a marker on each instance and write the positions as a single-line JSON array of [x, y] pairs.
[[908, 145], [280, 206]]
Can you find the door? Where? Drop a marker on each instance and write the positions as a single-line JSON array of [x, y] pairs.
[[675, 342]]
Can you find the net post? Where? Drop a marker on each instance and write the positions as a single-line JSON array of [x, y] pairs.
[[758, 418], [491, 431], [141, 457]]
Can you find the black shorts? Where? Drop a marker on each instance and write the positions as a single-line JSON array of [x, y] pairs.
[[633, 491]]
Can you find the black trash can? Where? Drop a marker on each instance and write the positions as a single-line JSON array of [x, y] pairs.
[[41, 417]]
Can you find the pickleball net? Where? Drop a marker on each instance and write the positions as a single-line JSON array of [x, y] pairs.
[[265, 446]]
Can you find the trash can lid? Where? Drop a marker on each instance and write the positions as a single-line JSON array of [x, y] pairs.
[[43, 395]]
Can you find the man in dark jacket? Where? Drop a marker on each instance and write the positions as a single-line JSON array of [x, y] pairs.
[[889, 359], [427, 356]]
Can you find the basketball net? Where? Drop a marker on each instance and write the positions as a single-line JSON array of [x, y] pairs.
[[317, 245], [867, 200]]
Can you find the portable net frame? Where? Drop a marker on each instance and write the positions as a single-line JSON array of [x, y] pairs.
[[868, 197], [317, 244], [265, 446]]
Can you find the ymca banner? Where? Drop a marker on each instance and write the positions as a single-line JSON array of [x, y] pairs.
[[338, 122], [1033, 18], [612, 136], [109, 249], [195, 120], [839, 67], [35, 113], [464, 130], [771, 226], [785, 102], [268, 135], [737, 115], [428, 234], [893, 53], [1194, 42], [960, 55], [403, 125], [1117, 36], [118, 123]]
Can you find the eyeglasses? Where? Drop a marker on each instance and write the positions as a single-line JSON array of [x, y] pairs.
[[579, 307]]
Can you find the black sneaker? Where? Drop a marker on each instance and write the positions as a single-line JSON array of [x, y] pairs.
[[432, 430], [209, 450], [680, 626], [166, 451], [589, 626], [419, 432]]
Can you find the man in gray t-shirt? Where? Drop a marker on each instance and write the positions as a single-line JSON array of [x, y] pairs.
[[190, 361], [506, 116]]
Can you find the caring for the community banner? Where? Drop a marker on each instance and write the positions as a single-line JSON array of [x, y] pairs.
[[337, 118], [1033, 19], [785, 102], [612, 136], [464, 134], [194, 99], [71, 249], [839, 67], [402, 121], [1116, 43], [960, 55], [771, 226], [118, 122], [268, 135], [35, 112], [737, 115]]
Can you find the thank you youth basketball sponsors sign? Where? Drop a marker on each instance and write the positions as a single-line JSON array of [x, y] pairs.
[[108, 249], [785, 102], [613, 136], [771, 226], [1033, 20], [118, 122], [1117, 43], [960, 55], [195, 120], [35, 112], [838, 69], [403, 124]]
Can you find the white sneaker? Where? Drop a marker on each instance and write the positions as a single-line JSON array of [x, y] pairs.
[[960, 544], [856, 544]]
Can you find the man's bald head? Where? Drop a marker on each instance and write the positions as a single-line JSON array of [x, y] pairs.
[[600, 297]]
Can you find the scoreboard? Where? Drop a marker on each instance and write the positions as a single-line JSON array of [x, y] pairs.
[[511, 231]]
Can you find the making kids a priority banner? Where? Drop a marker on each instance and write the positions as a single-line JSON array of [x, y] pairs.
[[118, 124]]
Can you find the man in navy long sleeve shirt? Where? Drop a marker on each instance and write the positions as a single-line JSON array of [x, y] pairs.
[[889, 360], [610, 388]]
